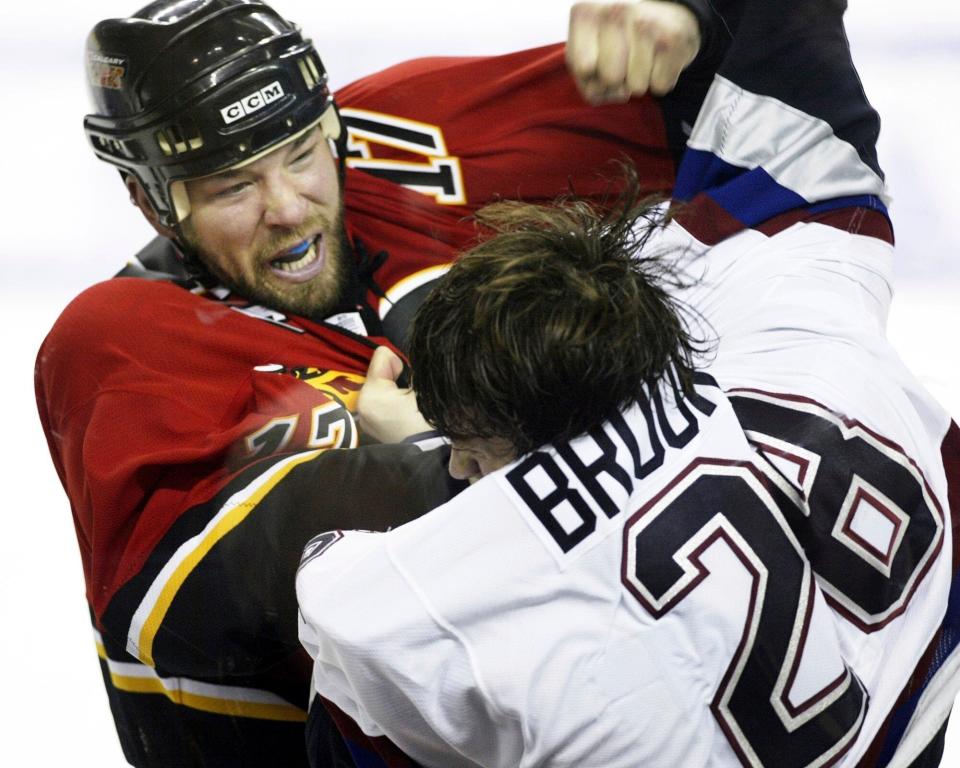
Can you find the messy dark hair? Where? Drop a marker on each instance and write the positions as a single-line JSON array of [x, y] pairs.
[[552, 325]]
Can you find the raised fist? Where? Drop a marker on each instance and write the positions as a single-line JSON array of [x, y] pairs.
[[619, 50]]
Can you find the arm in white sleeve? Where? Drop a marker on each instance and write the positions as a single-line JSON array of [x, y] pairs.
[[389, 662]]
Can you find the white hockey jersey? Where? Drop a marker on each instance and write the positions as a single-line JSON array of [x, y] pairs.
[[761, 574]]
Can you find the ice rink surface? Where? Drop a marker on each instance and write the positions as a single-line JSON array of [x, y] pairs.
[[68, 224]]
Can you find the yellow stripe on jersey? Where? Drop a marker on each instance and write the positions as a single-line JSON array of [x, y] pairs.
[[218, 706], [236, 701], [153, 609]]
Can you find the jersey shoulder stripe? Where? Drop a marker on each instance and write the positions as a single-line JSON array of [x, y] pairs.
[[752, 158]]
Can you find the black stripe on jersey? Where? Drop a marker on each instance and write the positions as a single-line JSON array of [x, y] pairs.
[[235, 613], [798, 53], [381, 128]]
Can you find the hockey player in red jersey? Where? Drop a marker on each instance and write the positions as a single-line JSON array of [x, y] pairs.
[[190, 404], [764, 572]]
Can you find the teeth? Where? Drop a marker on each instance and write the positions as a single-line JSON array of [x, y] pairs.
[[293, 266]]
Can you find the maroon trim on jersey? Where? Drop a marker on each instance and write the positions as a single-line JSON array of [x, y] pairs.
[[846, 422], [950, 455], [802, 464], [936, 508], [856, 221], [711, 224], [918, 679], [843, 677], [658, 612], [708, 221], [695, 557], [722, 711]]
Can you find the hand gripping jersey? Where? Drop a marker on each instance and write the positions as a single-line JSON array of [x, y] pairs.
[[192, 431], [761, 574]]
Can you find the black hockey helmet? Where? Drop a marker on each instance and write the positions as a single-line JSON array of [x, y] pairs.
[[187, 88]]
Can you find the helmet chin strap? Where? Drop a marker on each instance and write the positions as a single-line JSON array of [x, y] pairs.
[[188, 256]]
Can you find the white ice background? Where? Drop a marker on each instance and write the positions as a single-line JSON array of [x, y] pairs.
[[67, 224]]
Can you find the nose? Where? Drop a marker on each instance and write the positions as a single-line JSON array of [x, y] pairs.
[[284, 206], [462, 466]]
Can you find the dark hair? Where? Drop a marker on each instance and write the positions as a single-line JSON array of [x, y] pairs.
[[552, 325]]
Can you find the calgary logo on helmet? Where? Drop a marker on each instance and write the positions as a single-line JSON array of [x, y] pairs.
[[252, 102], [105, 71]]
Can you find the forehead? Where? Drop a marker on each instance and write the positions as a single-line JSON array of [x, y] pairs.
[[264, 158], [180, 191]]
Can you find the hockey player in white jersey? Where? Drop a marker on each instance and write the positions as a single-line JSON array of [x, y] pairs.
[[761, 572]]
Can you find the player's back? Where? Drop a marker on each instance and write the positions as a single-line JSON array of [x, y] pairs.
[[849, 433], [755, 576], [635, 597], [791, 248]]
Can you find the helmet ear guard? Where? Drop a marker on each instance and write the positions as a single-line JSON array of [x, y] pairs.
[[189, 88], [330, 124]]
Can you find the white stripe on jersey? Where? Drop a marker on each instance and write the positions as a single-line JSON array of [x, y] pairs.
[[799, 151]]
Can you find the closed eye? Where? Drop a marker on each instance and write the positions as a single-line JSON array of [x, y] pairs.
[[233, 189], [305, 155]]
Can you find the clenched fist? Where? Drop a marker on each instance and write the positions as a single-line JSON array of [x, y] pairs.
[[619, 50], [385, 411]]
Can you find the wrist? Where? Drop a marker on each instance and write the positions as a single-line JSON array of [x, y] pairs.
[[708, 20]]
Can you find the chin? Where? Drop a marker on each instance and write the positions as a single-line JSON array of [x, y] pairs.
[[311, 301]]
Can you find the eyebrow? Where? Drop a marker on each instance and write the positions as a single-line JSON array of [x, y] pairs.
[[229, 175]]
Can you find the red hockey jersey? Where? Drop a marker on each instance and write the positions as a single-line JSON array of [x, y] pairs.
[[192, 430]]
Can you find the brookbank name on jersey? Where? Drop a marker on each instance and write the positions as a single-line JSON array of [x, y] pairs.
[[549, 491], [252, 102]]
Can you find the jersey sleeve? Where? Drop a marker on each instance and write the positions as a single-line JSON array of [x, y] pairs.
[[781, 180], [239, 551], [515, 125], [408, 673], [431, 140], [198, 447], [786, 132]]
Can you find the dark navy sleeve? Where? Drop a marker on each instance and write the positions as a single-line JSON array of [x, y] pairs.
[[785, 125]]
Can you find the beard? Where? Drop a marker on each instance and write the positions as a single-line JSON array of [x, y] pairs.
[[315, 298]]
